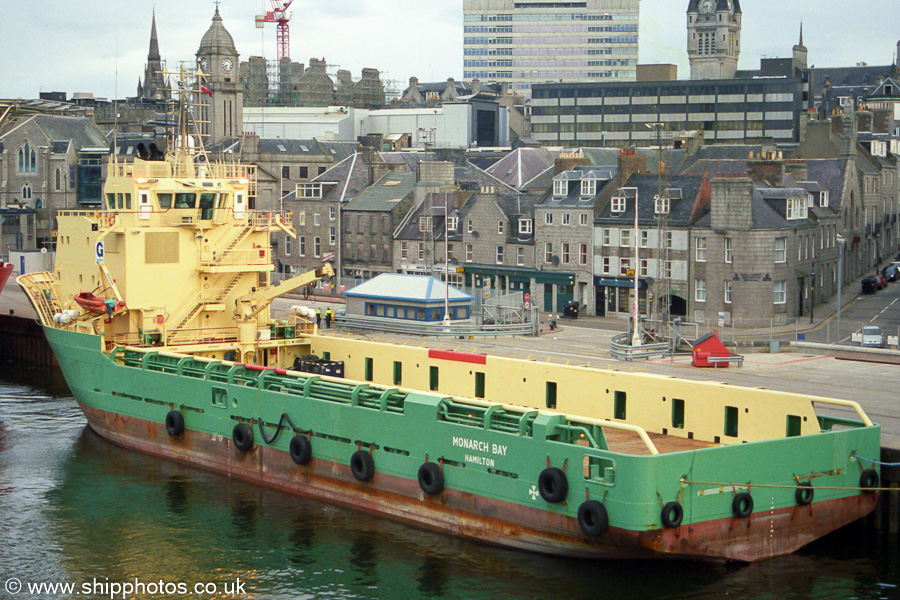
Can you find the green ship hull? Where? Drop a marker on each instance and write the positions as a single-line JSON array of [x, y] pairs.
[[521, 478]]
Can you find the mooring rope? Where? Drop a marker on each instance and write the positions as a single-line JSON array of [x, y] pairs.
[[875, 462]]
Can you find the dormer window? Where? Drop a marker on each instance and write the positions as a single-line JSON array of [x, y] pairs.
[[588, 187], [560, 187], [309, 191], [425, 224], [525, 226], [618, 204], [797, 208], [662, 205], [452, 223], [823, 199]]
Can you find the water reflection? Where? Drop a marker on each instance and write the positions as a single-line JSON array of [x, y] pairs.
[[74, 507]]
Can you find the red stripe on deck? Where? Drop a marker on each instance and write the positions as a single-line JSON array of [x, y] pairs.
[[475, 359]]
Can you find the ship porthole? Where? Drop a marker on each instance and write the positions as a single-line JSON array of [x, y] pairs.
[[553, 485], [804, 494], [869, 480], [431, 478], [672, 515], [592, 518], [362, 465], [175, 423], [301, 449], [242, 436], [742, 505]]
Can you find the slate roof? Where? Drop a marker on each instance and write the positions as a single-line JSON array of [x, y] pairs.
[[409, 288], [339, 150], [680, 209], [522, 166], [385, 194], [80, 130]]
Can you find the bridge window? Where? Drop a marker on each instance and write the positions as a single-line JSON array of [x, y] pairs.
[[165, 201]]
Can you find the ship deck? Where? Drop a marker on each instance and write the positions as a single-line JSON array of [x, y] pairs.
[[625, 442]]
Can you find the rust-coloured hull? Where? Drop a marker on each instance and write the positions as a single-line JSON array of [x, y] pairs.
[[765, 534]]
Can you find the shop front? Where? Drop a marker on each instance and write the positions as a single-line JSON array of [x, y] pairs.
[[615, 295]]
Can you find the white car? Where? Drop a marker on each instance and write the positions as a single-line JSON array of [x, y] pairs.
[[872, 337]]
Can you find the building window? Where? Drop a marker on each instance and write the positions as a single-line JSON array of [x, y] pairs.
[[607, 237], [404, 250], [316, 219], [781, 249], [624, 267], [301, 245], [449, 251], [421, 254], [823, 199], [583, 254], [548, 252], [287, 245], [645, 267], [618, 204], [332, 213], [525, 226], [301, 218], [470, 252], [425, 224], [520, 256], [667, 269], [700, 290], [332, 236], [669, 240], [727, 292], [452, 223], [661, 205], [58, 180], [583, 219], [607, 265], [26, 192], [27, 159], [499, 255], [588, 187], [797, 208], [645, 238], [560, 187], [565, 218], [285, 172], [565, 253], [729, 251], [548, 218], [317, 246], [470, 226], [309, 191], [780, 292], [625, 240], [500, 227], [304, 172], [701, 250]]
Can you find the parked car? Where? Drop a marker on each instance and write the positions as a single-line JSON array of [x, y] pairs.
[[869, 285], [570, 309], [880, 281], [891, 272], [872, 337]]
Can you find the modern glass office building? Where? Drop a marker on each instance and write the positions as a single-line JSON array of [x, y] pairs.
[[524, 42]]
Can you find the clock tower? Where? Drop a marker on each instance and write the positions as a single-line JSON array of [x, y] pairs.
[[219, 60], [714, 38]]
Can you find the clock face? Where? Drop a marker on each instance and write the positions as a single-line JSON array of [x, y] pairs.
[[227, 65], [707, 6], [204, 65]]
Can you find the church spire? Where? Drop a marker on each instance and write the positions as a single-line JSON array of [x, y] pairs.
[[801, 33], [154, 41]]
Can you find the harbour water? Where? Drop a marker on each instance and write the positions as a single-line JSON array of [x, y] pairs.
[[78, 511]]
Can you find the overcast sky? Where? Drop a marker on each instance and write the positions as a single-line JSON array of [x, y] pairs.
[[100, 46]]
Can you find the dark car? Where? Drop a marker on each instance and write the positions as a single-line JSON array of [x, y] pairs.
[[570, 309], [890, 272], [869, 285]]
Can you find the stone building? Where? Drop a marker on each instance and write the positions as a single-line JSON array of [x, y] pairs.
[[714, 38], [154, 85], [222, 112]]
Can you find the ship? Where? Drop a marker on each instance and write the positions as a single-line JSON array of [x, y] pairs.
[[177, 354]]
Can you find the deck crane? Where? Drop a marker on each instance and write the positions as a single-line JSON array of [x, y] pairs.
[[280, 15]]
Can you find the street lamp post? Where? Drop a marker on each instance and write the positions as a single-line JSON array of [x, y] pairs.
[[812, 294], [841, 241]]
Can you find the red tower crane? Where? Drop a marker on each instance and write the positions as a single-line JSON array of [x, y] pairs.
[[280, 15]]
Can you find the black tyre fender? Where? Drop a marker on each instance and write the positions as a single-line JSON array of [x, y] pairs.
[[242, 436], [175, 423], [742, 505], [553, 485], [869, 481], [301, 449], [362, 465], [804, 494], [672, 514], [431, 478], [593, 518]]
